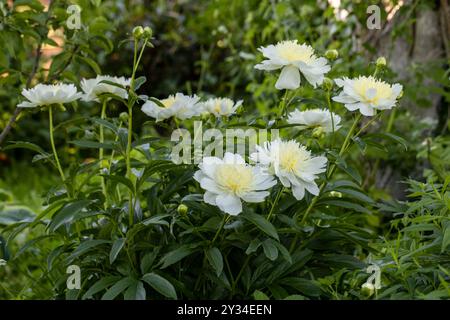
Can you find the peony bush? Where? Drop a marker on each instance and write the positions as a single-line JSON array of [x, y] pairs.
[[195, 196]]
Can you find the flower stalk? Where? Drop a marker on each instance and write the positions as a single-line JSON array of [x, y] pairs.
[[52, 142], [101, 151]]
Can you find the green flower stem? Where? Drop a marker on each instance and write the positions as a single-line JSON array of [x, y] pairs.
[[328, 176], [372, 176], [330, 107], [101, 151], [136, 60], [226, 217], [277, 198], [111, 161], [52, 142], [282, 106], [128, 163]]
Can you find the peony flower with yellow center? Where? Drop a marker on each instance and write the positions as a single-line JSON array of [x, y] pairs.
[[315, 118], [221, 107], [367, 94], [179, 106], [292, 164], [230, 180], [93, 88], [293, 58], [44, 95]]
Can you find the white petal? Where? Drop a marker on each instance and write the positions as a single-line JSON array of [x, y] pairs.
[[255, 197], [210, 198], [366, 110], [298, 192], [343, 98], [209, 185], [312, 188], [288, 79], [229, 203], [371, 93], [268, 65]]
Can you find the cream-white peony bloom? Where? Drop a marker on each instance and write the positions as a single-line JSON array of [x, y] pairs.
[[367, 94], [292, 164], [229, 180], [221, 107], [315, 118], [179, 105], [43, 95], [293, 58], [93, 88]]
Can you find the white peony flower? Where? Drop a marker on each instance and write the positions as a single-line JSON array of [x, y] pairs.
[[229, 180], [315, 118], [179, 106], [43, 95], [93, 88], [367, 94], [221, 107], [293, 58], [292, 164]]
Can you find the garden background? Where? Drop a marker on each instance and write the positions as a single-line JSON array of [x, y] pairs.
[[210, 48]]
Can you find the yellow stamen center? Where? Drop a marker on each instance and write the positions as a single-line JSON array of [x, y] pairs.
[[234, 177]]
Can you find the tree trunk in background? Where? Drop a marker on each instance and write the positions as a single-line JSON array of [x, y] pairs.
[[429, 43]]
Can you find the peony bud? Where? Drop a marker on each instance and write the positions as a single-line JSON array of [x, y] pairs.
[[381, 62], [367, 289], [318, 132], [182, 209], [327, 84], [332, 54], [123, 116], [138, 32], [148, 32]]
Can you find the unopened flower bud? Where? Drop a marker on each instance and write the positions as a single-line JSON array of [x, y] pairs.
[[367, 289], [381, 62], [123, 116], [182, 209], [318, 132], [148, 32], [327, 84], [332, 54], [61, 107], [138, 32]]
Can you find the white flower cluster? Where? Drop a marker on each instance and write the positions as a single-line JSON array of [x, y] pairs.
[[179, 105], [231, 180], [185, 107], [61, 93]]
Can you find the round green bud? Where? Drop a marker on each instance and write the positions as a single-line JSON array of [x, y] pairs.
[[148, 32], [61, 107], [123, 116], [327, 84], [367, 289], [318, 132], [381, 62], [182, 209], [332, 54], [138, 32]]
